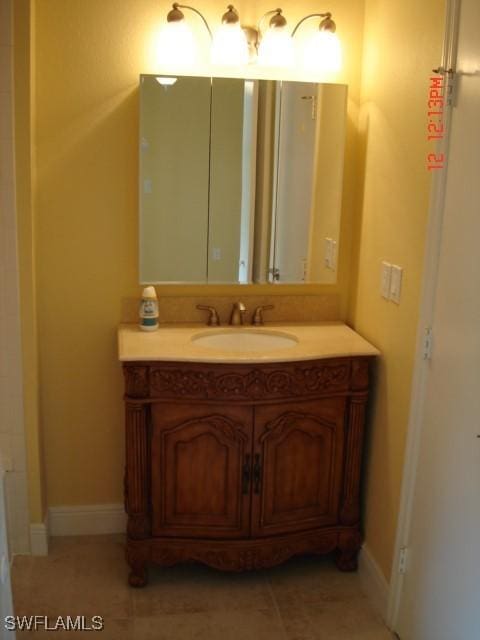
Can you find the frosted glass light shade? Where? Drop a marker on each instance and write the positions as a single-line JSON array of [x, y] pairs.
[[322, 53], [276, 49], [229, 46], [176, 45]]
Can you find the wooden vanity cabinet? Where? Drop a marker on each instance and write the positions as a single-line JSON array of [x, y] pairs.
[[243, 466]]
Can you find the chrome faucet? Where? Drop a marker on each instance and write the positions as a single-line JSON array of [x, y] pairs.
[[236, 319]]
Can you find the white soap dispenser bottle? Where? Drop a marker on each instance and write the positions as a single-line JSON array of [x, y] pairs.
[[149, 310]]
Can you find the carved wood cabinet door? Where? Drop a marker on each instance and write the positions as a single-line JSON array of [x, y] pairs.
[[298, 465], [200, 476]]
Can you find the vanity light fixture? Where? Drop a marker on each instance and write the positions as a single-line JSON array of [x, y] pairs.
[[322, 51], [176, 43], [276, 44], [233, 45], [319, 52], [228, 44]]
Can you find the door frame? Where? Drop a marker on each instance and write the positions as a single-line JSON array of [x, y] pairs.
[[427, 305]]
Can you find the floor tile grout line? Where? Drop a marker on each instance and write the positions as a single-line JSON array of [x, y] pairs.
[[276, 606]]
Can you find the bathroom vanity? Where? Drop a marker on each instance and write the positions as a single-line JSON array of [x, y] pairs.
[[241, 456]]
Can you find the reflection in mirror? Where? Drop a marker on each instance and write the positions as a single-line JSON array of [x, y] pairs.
[[174, 177], [240, 180], [232, 180]]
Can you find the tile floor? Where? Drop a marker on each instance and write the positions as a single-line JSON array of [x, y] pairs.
[[305, 599]]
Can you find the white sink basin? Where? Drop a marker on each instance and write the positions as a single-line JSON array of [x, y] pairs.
[[244, 340]]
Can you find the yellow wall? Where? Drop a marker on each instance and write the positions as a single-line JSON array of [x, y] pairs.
[[402, 44], [25, 176], [78, 228], [87, 59]]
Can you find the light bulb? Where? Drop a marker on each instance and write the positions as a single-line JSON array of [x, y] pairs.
[[176, 45], [322, 52], [276, 48], [229, 46]]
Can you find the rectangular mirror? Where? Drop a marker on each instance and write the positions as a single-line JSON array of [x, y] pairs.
[[240, 180]]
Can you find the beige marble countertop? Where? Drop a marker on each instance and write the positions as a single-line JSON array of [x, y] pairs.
[[174, 343]]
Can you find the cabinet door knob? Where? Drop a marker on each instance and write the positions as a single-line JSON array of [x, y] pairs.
[[257, 474], [246, 475]]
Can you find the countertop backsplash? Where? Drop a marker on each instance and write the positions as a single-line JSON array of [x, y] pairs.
[[288, 308]]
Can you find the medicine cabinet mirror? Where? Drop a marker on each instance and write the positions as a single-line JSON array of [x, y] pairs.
[[240, 180]]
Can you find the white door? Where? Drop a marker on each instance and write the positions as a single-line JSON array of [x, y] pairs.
[[441, 589]]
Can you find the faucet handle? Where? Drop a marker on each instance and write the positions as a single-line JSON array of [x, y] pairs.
[[257, 319], [213, 320]]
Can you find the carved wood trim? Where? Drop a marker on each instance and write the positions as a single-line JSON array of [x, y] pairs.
[[275, 428], [244, 555], [350, 509], [247, 383], [136, 380], [232, 430], [137, 471]]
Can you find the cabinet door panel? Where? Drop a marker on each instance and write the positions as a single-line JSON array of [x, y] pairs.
[[299, 451], [198, 458]]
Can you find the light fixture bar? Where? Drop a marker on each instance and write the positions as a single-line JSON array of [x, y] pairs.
[[277, 19], [326, 25]]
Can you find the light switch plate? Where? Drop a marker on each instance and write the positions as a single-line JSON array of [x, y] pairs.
[[385, 280], [330, 257], [333, 260], [328, 253], [396, 283]]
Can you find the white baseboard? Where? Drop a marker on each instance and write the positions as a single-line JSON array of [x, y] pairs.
[[39, 539], [374, 584], [87, 520]]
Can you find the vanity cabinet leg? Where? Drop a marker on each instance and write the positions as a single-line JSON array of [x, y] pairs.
[[138, 562], [138, 576], [346, 556]]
